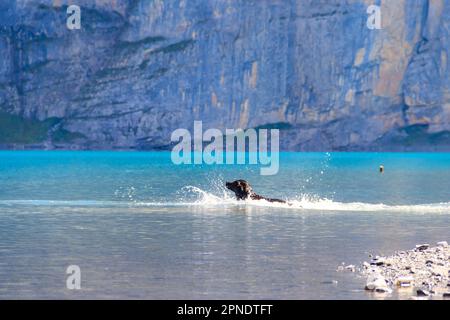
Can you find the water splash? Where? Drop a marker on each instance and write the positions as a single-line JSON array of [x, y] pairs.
[[195, 196]]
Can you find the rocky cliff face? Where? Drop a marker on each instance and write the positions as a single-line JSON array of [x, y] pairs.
[[138, 69]]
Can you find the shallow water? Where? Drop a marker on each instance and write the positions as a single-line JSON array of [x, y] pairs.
[[140, 227]]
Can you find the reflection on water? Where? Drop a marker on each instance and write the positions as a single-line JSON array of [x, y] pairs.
[[195, 253]]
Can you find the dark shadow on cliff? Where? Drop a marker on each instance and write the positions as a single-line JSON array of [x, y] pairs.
[[414, 138]]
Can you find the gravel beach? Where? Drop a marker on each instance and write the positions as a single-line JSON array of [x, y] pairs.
[[421, 273]]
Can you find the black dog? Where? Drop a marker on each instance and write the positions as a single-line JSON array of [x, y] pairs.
[[243, 191]]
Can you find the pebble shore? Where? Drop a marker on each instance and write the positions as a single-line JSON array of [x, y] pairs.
[[424, 270]]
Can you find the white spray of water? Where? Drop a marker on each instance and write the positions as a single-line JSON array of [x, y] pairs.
[[195, 196], [308, 202]]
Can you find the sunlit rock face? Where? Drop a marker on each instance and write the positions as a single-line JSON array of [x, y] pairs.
[[137, 70]]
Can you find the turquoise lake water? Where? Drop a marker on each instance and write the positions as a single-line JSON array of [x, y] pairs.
[[139, 226]]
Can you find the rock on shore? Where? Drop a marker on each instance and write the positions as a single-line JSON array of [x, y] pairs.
[[425, 269]]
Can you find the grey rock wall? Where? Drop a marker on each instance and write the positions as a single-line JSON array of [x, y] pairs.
[[139, 69]]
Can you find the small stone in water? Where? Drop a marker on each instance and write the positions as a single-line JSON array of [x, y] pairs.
[[350, 268], [383, 290], [423, 293], [378, 261], [421, 247], [376, 282], [442, 244]]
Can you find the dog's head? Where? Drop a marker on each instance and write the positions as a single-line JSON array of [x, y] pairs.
[[241, 188]]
